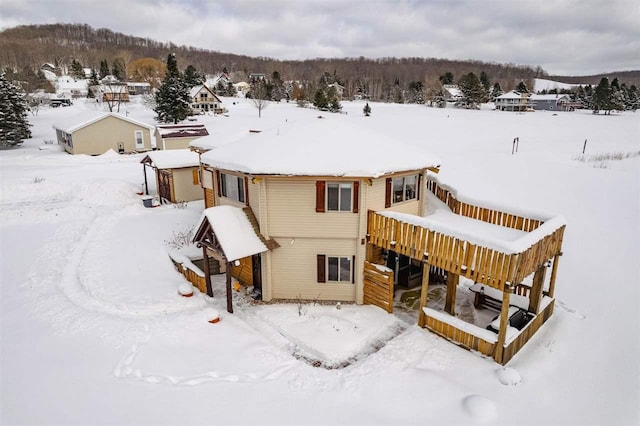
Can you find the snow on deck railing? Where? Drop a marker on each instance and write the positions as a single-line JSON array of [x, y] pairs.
[[474, 330], [182, 259], [525, 220]]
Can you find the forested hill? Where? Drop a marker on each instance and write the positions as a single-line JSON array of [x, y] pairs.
[[60, 44]]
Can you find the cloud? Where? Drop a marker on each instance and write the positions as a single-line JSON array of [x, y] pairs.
[[563, 36]]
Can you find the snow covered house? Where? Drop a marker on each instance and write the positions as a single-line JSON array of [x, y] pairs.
[[204, 100], [341, 221], [551, 102], [514, 101], [451, 93], [178, 136], [70, 87], [96, 132], [177, 174]]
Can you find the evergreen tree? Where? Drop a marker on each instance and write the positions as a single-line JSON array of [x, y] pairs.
[[473, 93], [496, 90], [277, 91], [172, 99], [14, 126], [93, 84], [366, 110], [522, 87], [484, 79], [320, 100], [118, 70], [104, 68], [192, 77], [602, 97], [76, 70], [446, 78]]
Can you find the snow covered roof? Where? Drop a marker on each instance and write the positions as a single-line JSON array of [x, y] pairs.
[[197, 89], [172, 159], [513, 95], [68, 82], [319, 147], [182, 131], [78, 121], [548, 97], [233, 231]]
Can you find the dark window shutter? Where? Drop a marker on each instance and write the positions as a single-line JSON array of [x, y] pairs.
[[322, 276], [218, 184], [353, 269], [246, 190], [419, 186], [387, 193], [356, 189], [320, 184]]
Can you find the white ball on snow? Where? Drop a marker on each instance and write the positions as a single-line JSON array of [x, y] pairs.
[[185, 289], [211, 314]]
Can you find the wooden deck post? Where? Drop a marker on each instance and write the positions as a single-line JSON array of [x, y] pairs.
[[554, 271], [423, 293], [207, 271], [535, 296], [229, 294], [452, 284], [146, 185], [504, 323]]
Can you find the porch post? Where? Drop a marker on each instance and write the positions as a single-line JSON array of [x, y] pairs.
[[229, 294], [554, 271], [535, 296], [423, 294], [504, 322], [452, 284], [207, 271], [146, 185]]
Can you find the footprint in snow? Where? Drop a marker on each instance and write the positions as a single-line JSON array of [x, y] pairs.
[[508, 376], [570, 310]]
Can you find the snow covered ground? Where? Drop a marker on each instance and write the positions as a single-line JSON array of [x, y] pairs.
[[93, 330]]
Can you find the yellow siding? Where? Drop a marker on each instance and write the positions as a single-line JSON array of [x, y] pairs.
[[291, 210], [294, 269], [376, 198], [183, 187], [173, 143], [207, 178], [106, 134]]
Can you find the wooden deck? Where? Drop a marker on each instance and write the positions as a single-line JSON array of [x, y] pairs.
[[503, 271]]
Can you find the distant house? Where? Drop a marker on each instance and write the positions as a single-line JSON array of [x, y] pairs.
[[70, 87], [114, 92], [338, 88], [49, 67], [514, 101], [218, 83], [257, 76], [178, 136], [242, 87], [552, 102], [177, 175], [96, 132], [452, 93], [204, 100], [138, 88]]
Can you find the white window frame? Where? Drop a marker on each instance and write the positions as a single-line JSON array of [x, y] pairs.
[[227, 191], [404, 193], [338, 272], [341, 208], [139, 142]]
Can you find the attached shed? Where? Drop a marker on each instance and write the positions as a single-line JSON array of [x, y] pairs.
[[96, 132], [178, 136], [177, 175]]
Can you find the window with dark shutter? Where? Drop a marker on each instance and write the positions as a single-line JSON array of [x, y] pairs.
[[387, 193], [218, 184], [322, 276], [356, 187], [320, 197], [246, 190], [419, 186]]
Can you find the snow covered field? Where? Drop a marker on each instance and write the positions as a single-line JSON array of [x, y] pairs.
[[93, 330]]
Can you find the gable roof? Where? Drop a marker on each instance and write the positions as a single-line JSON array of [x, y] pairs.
[[86, 118], [319, 147], [513, 95], [197, 89], [182, 131], [232, 231], [172, 159]]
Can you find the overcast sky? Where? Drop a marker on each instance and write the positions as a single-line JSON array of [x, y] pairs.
[[574, 37]]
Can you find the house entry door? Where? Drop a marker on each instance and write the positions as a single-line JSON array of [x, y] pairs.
[[164, 185]]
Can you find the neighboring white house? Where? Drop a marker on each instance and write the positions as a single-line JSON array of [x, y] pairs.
[[204, 100], [451, 93], [514, 101], [70, 87]]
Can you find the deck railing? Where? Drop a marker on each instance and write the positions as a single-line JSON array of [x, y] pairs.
[[526, 333]]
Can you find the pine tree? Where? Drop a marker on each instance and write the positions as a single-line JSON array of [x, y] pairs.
[[76, 69], [14, 126], [496, 90], [192, 77], [366, 110], [473, 93], [104, 68], [446, 78], [172, 99], [602, 97], [118, 70], [484, 79], [522, 87], [320, 100]]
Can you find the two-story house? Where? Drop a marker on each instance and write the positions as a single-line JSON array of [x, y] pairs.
[[204, 100]]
